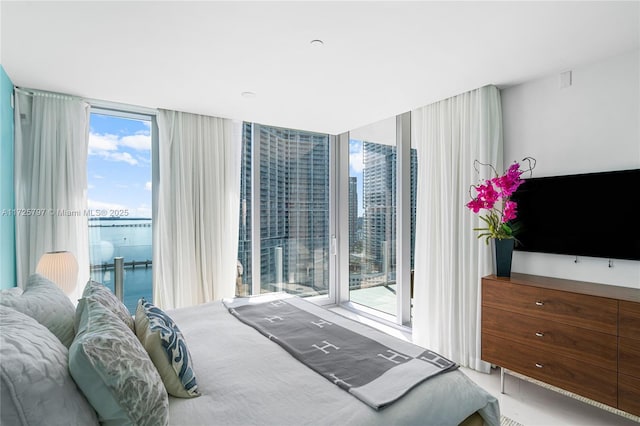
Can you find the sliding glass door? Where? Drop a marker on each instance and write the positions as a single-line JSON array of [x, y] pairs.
[[379, 190], [372, 216]]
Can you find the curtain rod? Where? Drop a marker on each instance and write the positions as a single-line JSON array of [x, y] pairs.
[[94, 103], [38, 92]]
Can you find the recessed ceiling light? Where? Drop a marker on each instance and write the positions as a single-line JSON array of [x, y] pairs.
[[317, 43], [248, 94]]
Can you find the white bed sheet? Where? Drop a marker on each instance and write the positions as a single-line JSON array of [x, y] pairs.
[[245, 379]]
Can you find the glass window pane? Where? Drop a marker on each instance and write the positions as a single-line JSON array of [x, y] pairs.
[[119, 201], [294, 211], [372, 216], [244, 278], [414, 188]]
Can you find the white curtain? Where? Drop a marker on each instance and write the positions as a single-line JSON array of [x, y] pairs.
[[51, 142], [449, 259], [196, 234]]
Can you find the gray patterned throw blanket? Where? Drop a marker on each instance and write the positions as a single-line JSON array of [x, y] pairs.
[[346, 354]]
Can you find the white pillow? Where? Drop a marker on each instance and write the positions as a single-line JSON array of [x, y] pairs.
[[45, 302], [114, 371], [109, 300], [36, 387]]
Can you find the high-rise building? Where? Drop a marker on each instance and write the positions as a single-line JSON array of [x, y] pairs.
[[244, 233], [414, 188], [353, 212], [294, 208], [379, 181], [379, 202]]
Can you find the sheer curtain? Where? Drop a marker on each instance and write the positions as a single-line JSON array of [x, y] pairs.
[[51, 142], [449, 259], [196, 237]]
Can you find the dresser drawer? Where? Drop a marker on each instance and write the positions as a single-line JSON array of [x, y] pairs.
[[629, 319], [582, 378], [511, 297], [629, 394], [579, 310], [581, 344], [629, 356]]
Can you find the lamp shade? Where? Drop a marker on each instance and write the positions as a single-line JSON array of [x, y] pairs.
[[60, 267]]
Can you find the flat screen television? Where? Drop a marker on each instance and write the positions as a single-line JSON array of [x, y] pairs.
[[592, 214]]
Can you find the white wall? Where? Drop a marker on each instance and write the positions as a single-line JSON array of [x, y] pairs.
[[591, 126]]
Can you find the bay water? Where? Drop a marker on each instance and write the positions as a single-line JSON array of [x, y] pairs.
[[130, 239]]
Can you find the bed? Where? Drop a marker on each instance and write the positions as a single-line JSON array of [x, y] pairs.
[[254, 381], [243, 378]]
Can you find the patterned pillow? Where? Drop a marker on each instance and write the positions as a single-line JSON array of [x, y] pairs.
[[113, 370], [109, 300], [35, 385], [45, 302], [167, 348]]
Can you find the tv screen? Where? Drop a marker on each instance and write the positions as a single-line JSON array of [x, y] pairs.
[[593, 214]]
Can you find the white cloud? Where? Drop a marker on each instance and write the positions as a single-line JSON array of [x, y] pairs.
[[147, 186], [99, 142], [140, 141], [355, 146], [108, 146], [356, 156], [356, 161], [90, 186], [118, 156]]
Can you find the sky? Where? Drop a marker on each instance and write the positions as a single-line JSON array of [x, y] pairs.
[[356, 165], [119, 165]]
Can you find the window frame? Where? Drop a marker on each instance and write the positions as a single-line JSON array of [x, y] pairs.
[[114, 109]]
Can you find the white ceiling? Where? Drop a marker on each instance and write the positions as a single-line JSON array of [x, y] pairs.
[[379, 58]]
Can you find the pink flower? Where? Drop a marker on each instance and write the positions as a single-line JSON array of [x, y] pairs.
[[475, 205], [510, 181], [487, 195], [495, 193], [510, 211]]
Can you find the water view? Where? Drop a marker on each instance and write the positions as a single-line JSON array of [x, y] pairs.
[[127, 238]]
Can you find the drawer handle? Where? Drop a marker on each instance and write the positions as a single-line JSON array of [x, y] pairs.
[[539, 365], [539, 334], [539, 303]]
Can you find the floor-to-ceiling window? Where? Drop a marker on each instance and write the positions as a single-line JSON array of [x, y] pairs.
[[120, 202], [372, 216], [381, 185], [284, 237], [287, 238]]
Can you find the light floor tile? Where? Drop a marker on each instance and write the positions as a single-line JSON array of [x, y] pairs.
[[534, 405]]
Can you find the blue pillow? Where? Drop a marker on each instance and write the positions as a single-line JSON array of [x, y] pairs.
[[167, 348]]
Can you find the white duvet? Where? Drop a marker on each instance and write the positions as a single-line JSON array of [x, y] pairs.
[[246, 379]]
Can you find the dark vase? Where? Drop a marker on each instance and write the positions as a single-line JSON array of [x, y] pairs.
[[504, 254]]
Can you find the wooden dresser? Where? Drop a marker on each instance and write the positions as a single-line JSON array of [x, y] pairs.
[[578, 336]]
